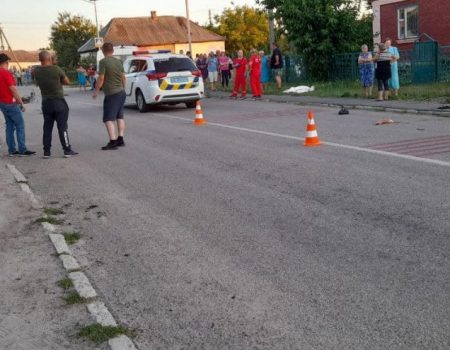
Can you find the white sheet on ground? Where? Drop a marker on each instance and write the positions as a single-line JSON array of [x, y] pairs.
[[299, 89]]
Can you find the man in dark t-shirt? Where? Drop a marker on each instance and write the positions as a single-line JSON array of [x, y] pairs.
[[276, 63], [50, 79]]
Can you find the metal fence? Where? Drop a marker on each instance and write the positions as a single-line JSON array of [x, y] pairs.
[[293, 70], [410, 67], [444, 63]]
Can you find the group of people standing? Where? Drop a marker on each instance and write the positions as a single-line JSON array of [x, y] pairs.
[[85, 76], [219, 67], [22, 76], [50, 78], [383, 66]]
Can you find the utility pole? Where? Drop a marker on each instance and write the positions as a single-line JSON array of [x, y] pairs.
[[97, 40], [96, 18], [188, 26], [210, 17], [3, 36]]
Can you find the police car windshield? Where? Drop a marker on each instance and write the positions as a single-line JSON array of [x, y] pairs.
[[174, 64]]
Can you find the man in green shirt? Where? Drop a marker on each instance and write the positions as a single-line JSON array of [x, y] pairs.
[[50, 79], [112, 78]]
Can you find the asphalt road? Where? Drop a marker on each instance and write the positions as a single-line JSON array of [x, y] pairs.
[[235, 236]]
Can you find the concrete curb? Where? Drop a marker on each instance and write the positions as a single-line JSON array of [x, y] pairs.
[[101, 314], [60, 243], [408, 110], [121, 343], [48, 226], [23, 182], [82, 285], [34, 201], [69, 263], [96, 309], [20, 178]]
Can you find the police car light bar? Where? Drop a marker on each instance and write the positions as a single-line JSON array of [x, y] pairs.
[[146, 52]]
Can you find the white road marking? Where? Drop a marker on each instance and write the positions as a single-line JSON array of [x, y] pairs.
[[353, 148]]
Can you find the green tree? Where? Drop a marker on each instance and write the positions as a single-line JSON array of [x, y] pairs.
[[320, 28], [68, 34], [243, 27]]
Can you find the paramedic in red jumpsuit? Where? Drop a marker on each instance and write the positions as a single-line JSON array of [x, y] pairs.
[[240, 64], [255, 74]]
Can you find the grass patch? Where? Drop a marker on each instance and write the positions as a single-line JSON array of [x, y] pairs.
[[65, 283], [423, 92], [74, 298], [72, 237], [99, 334], [50, 220], [53, 211]]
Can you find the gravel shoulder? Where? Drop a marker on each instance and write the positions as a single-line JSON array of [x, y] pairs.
[[33, 313]]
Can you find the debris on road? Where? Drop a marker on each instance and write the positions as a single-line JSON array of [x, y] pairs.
[[343, 111], [384, 121]]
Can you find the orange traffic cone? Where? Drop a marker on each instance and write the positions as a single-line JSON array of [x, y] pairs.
[[199, 120], [312, 139]]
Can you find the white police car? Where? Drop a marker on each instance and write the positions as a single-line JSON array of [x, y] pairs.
[[160, 77]]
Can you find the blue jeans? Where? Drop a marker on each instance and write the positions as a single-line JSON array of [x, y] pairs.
[[14, 122]]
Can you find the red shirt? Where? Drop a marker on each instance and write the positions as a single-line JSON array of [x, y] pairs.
[[255, 64], [6, 80], [240, 65]]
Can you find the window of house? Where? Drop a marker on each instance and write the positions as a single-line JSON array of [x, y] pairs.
[[408, 19]]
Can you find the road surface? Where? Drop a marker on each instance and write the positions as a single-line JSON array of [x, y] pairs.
[[235, 236]]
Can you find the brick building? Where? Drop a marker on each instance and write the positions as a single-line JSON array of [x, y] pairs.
[[408, 21]]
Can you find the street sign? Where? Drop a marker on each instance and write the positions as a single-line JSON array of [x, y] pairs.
[[98, 42]]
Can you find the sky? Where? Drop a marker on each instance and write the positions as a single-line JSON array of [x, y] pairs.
[[26, 23]]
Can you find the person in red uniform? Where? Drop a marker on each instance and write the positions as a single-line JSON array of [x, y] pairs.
[[240, 64], [255, 74]]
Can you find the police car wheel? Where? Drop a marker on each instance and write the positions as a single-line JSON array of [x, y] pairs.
[[140, 101], [191, 104]]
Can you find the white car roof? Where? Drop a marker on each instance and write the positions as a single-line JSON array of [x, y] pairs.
[[156, 55]]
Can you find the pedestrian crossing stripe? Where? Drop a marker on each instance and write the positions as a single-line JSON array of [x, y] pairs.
[[164, 85]]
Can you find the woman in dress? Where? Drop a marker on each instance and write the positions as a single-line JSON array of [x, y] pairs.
[[383, 72], [224, 68], [264, 70], [81, 76], [394, 82], [213, 69], [366, 70]]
